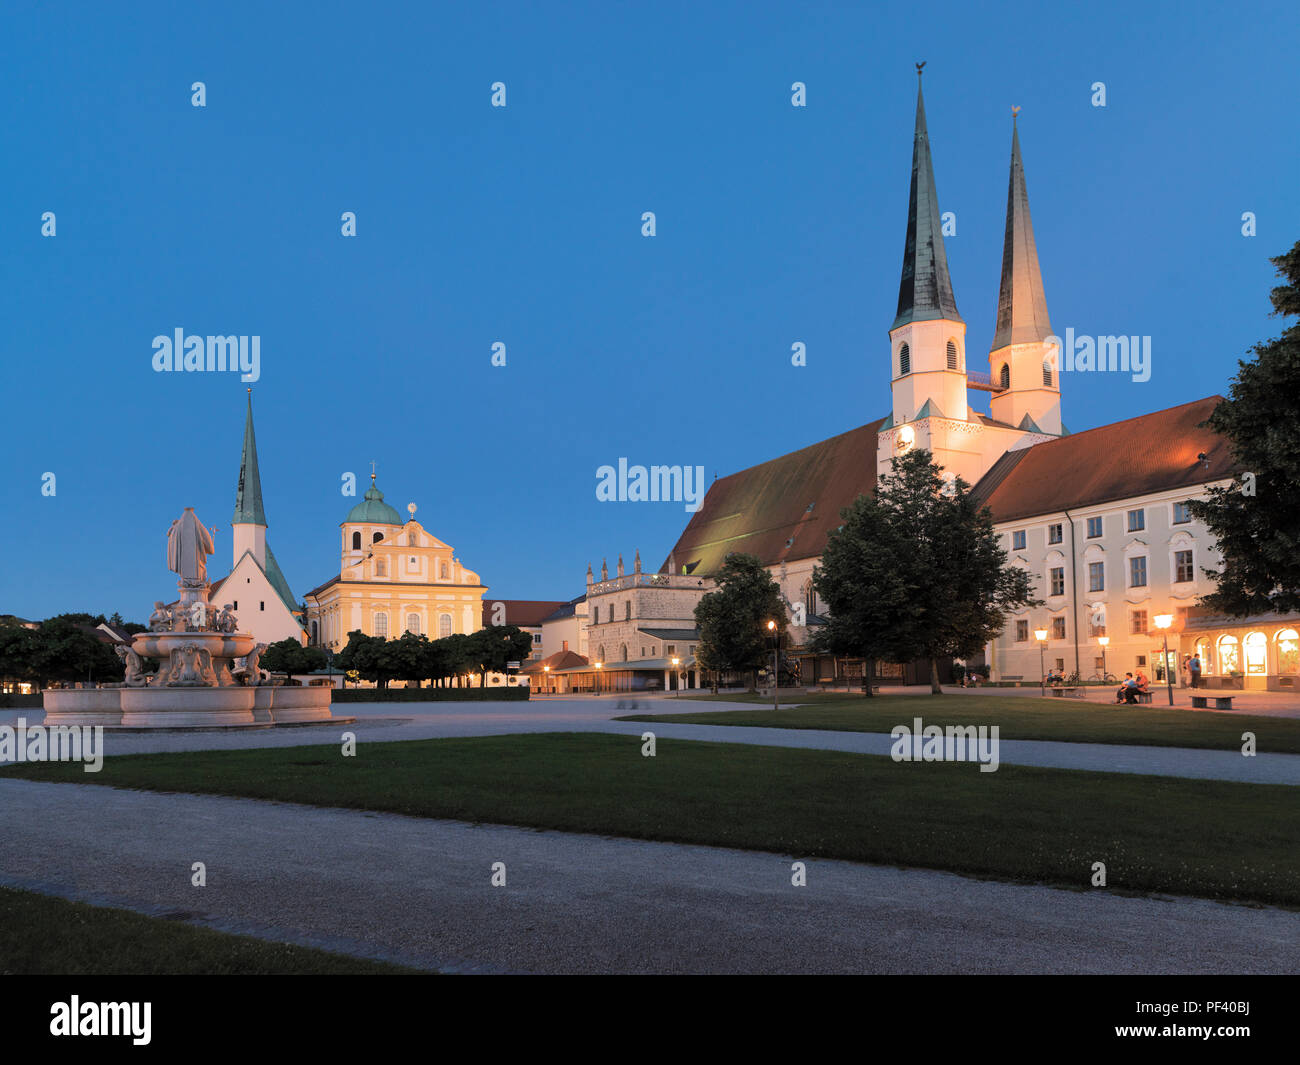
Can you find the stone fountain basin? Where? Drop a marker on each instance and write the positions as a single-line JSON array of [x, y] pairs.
[[220, 644]]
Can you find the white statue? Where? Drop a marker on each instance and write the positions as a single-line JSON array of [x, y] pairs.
[[253, 665], [188, 545], [225, 621], [161, 618], [135, 676]]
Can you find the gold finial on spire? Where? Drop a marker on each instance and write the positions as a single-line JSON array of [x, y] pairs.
[[919, 66], [1014, 112]]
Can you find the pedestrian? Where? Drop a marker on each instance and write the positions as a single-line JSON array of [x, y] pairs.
[[1194, 668]]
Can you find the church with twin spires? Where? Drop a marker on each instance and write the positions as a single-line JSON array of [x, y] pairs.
[[1098, 518]]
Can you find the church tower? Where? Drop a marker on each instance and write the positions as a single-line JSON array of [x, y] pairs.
[[248, 526], [1023, 368], [928, 338]]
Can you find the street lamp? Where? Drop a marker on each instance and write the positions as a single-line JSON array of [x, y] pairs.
[[776, 666], [1041, 636], [1163, 621], [597, 691], [1104, 641], [678, 693], [546, 680]]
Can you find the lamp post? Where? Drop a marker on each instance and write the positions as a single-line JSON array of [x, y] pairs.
[[1103, 640], [776, 665], [1163, 621], [597, 691], [677, 673], [1041, 636], [546, 680]]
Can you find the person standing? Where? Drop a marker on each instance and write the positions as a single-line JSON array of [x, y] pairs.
[[1194, 668]]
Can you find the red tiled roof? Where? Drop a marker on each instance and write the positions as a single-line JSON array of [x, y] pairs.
[[557, 661], [765, 510], [1152, 453], [523, 612]]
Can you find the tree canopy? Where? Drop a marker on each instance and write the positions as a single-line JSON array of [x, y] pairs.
[[1255, 520], [732, 620]]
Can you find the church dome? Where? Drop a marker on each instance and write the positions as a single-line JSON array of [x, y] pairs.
[[372, 510]]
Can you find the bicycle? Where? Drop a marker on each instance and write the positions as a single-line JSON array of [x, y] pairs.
[[1104, 678]]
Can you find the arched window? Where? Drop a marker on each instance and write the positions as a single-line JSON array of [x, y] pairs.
[[600, 654], [444, 625], [1004, 376], [624, 658], [952, 355], [1256, 654], [445, 571], [413, 623], [1229, 655], [356, 541], [1288, 651], [627, 610], [378, 536], [1047, 373], [904, 361], [809, 599], [315, 633], [381, 625], [1204, 653], [410, 539]]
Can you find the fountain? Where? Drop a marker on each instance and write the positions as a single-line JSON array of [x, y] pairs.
[[208, 673]]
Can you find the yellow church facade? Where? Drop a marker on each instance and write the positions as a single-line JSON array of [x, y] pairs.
[[394, 577]]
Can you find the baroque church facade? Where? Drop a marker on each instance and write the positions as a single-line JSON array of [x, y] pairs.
[[1097, 517]]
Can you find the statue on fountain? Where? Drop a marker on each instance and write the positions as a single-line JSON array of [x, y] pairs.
[[188, 545], [161, 618], [135, 674]]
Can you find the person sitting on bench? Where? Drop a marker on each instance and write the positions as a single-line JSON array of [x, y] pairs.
[[1128, 691], [1143, 684]]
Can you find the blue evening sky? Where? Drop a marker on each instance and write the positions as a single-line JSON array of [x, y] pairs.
[[522, 225]]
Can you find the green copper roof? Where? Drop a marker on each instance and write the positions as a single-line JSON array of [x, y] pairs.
[[276, 577], [929, 409], [1022, 307], [248, 498], [925, 290], [373, 510]]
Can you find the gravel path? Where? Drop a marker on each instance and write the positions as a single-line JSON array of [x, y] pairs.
[[390, 721], [418, 891]]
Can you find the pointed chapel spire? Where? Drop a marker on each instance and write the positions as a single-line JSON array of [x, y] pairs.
[[925, 290], [1022, 307], [248, 499]]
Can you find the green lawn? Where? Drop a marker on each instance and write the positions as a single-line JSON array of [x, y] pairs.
[[44, 935], [1193, 837], [1019, 717]]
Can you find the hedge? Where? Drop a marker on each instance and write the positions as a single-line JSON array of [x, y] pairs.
[[517, 693], [15, 701]]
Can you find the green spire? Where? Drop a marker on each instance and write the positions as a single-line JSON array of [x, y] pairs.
[[925, 290], [1022, 307], [248, 499]]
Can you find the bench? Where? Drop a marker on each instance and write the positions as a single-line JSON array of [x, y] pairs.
[[1062, 690], [1221, 702], [1144, 697]]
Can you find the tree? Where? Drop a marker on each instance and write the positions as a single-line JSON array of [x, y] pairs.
[[19, 647], [733, 619], [864, 592], [288, 656], [1255, 520], [363, 654], [495, 645], [66, 650], [930, 556]]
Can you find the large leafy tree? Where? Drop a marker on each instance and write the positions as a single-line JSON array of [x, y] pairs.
[[18, 652], [733, 619], [918, 571], [67, 650], [494, 645], [1256, 519], [865, 594], [289, 656]]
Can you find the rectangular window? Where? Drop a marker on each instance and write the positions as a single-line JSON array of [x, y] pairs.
[[1094, 528], [1137, 572], [1096, 576], [1055, 534], [1022, 631], [1137, 520], [537, 637], [1137, 622], [1058, 628], [1098, 664], [1183, 566], [1057, 575], [1018, 540], [1182, 515], [1097, 622]]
